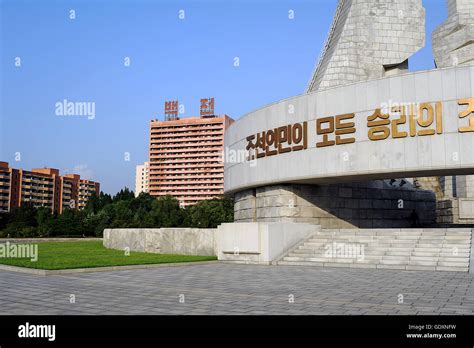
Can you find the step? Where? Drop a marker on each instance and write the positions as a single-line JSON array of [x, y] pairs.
[[390, 266], [379, 245], [423, 237], [377, 252], [453, 264], [393, 262], [452, 269], [321, 251], [456, 250], [399, 253], [417, 250], [433, 233], [363, 265], [396, 257], [299, 263], [453, 259], [293, 258], [432, 263], [368, 261], [410, 249], [409, 233], [426, 250], [366, 233], [388, 232], [424, 253], [340, 240], [331, 244], [323, 256], [458, 237], [314, 244], [329, 260], [429, 245], [423, 258], [430, 241], [319, 240], [456, 244], [420, 268], [335, 264], [452, 254], [394, 237], [407, 237], [305, 255], [404, 241]]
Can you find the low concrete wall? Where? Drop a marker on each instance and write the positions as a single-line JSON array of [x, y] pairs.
[[182, 241], [251, 242], [45, 240], [257, 242]]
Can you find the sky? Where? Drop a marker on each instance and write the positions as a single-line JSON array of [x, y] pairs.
[[51, 51]]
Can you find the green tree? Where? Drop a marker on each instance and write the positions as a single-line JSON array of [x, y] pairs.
[[4, 219], [165, 213], [124, 210], [96, 223], [124, 195], [211, 213], [141, 206], [44, 220], [122, 214], [22, 222], [69, 223], [97, 203]]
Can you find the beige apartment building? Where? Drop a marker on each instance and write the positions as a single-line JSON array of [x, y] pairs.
[[142, 172], [185, 157], [43, 187]]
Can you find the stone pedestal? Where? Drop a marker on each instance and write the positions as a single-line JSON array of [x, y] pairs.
[[374, 204], [457, 211]]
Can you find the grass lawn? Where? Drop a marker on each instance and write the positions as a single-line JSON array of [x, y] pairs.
[[64, 255]]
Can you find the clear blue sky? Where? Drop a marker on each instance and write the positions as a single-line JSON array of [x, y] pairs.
[[83, 60]]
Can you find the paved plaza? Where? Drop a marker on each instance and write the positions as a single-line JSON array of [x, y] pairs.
[[234, 289]]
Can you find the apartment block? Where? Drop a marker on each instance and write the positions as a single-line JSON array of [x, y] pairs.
[[5, 184], [43, 187], [70, 191], [87, 189], [185, 157], [142, 172]]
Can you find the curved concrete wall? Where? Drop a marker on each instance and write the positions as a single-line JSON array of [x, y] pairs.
[[438, 154]]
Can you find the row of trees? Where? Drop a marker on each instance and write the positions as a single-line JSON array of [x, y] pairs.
[[123, 210]]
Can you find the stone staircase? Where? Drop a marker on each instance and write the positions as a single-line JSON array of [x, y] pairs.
[[406, 249]]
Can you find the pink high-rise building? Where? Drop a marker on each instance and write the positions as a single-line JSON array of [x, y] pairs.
[[185, 157]]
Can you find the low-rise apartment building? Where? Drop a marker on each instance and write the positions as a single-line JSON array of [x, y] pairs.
[[43, 187]]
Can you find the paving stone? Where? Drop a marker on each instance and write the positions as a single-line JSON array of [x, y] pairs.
[[228, 289]]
